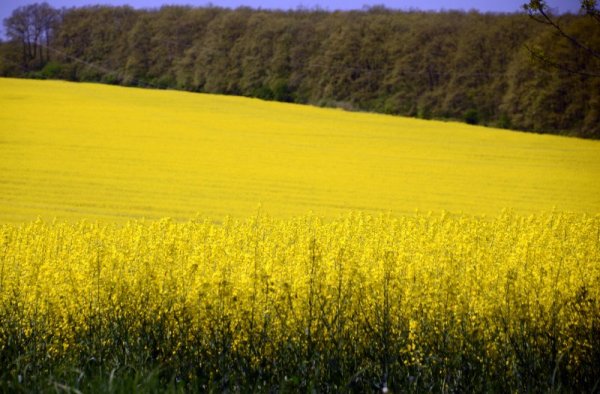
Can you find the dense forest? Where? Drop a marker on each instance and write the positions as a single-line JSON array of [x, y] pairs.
[[503, 70]]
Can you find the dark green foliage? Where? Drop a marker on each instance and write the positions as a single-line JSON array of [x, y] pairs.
[[472, 116], [52, 70], [455, 358], [282, 91], [452, 65]]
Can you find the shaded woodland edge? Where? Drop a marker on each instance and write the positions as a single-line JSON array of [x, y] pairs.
[[478, 68]]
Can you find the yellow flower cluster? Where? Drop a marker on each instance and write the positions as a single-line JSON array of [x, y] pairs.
[[381, 292]]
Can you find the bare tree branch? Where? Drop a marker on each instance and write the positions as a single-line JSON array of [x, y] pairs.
[[539, 7], [561, 66], [539, 11]]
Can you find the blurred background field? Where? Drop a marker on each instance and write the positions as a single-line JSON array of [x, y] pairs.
[[76, 151]]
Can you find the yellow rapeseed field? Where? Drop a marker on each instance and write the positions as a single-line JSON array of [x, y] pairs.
[[94, 151], [160, 240]]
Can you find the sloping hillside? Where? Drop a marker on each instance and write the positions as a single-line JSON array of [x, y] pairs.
[[85, 150]]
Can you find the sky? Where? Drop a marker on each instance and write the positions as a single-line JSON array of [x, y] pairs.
[[560, 6]]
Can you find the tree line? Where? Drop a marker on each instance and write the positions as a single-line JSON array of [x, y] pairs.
[[502, 70]]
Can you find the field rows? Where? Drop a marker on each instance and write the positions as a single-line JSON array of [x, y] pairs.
[[83, 150]]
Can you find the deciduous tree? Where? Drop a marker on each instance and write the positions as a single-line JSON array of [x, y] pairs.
[[33, 26]]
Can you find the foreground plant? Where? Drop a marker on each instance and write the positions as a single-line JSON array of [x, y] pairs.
[[412, 303]]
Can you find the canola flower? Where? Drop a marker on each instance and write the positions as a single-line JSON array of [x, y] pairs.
[[359, 303], [98, 301]]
